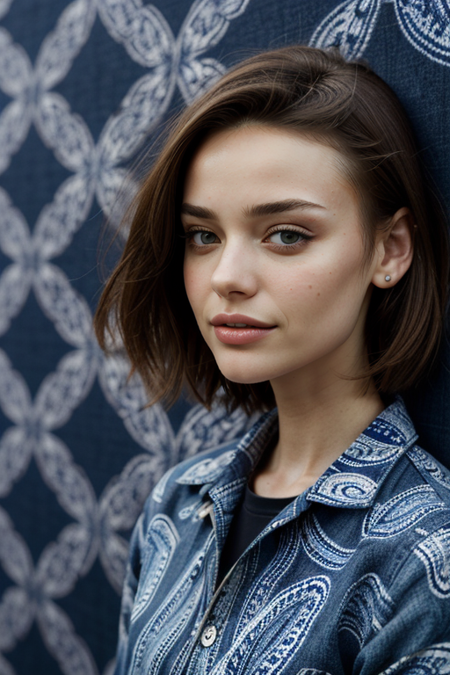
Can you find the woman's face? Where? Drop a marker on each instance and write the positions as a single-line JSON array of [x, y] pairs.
[[274, 265]]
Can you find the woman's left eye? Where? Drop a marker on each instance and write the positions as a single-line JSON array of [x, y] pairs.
[[286, 237]]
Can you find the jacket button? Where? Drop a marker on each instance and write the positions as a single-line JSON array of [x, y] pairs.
[[209, 636]]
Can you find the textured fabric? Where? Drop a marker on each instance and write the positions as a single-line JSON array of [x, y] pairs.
[[85, 88], [352, 577]]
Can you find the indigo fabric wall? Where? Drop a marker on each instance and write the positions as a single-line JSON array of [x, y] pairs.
[[85, 85]]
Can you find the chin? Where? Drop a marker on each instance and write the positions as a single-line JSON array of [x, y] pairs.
[[238, 376]]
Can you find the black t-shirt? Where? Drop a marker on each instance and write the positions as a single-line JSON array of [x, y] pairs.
[[251, 518]]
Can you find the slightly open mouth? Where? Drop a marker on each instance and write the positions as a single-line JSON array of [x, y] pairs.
[[246, 325]]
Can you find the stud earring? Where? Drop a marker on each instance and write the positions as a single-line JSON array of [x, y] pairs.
[[387, 277]]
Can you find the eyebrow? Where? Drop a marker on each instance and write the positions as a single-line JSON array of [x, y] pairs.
[[257, 210], [280, 207], [197, 211]]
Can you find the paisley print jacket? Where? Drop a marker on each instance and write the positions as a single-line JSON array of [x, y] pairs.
[[352, 577]]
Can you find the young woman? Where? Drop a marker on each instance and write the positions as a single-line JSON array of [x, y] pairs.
[[315, 278]]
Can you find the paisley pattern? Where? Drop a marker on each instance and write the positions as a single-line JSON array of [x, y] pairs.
[[429, 466], [364, 561], [434, 552], [401, 512], [162, 540], [271, 638], [162, 633], [345, 489], [321, 548], [361, 453], [258, 595], [432, 661], [366, 609], [425, 24]]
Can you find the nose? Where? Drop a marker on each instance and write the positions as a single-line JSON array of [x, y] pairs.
[[236, 271]]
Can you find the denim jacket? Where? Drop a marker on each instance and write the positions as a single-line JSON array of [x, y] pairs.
[[353, 576]]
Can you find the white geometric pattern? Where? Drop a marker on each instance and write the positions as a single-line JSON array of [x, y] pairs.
[[97, 173]]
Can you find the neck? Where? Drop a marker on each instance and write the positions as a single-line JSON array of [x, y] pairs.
[[315, 427]]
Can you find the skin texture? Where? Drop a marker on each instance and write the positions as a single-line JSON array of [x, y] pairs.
[[299, 270]]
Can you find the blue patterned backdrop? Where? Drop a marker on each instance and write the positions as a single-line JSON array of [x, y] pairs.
[[84, 88]]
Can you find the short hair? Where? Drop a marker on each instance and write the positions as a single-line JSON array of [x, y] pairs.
[[347, 106]]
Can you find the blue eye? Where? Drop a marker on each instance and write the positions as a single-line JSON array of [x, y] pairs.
[[286, 237], [204, 238]]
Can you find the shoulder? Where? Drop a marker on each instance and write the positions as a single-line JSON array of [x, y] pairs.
[[433, 547], [431, 472], [413, 511], [413, 502]]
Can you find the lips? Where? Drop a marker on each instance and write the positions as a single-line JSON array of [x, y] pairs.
[[239, 321], [238, 329]]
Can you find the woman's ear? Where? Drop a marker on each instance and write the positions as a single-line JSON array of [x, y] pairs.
[[394, 249]]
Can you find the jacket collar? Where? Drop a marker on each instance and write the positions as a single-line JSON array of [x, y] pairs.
[[352, 481]]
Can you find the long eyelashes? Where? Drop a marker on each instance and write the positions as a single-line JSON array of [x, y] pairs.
[[287, 235], [204, 238], [198, 248], [287, 244]]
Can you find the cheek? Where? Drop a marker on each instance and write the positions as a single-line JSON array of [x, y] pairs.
[[324, 293], [194, 283], [188, 282]]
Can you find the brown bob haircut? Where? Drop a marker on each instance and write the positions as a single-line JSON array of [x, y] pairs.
[[339, 103]]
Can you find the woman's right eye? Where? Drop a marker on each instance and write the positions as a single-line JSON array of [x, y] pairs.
[[203, 238]]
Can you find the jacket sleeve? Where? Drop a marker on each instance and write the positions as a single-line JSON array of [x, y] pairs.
[[435, 660], [128, 595], [409, 631], [138, 554]]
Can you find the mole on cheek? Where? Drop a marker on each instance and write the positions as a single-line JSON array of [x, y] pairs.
[[309, 286]]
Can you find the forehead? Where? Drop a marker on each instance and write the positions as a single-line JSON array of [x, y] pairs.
[[264, 163]]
